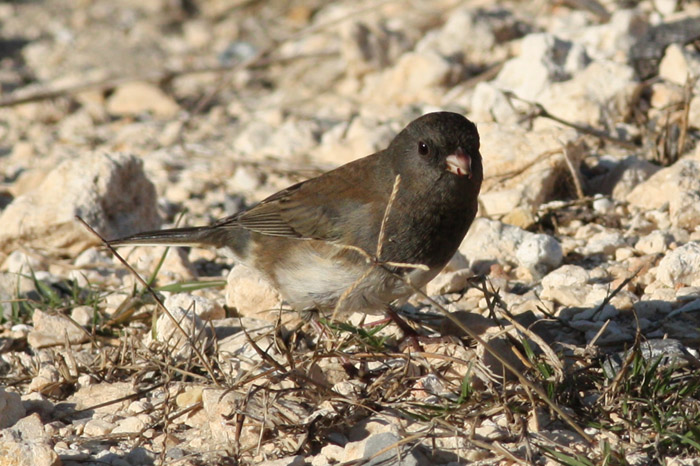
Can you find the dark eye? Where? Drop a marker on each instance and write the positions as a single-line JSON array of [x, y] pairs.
[[422, 148]]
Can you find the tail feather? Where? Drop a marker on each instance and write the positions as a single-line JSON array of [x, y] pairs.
[[189, 236]]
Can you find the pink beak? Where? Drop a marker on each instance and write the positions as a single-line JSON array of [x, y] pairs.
[[459, 163]]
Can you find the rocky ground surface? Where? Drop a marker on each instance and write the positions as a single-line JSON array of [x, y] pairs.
[[582, 273]]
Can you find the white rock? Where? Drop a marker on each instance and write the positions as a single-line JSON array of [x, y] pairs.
[[46, 380], [491, 103], [694, 112], [625, 175], [101, 393], [93, 257], [246, 179], [376, 443], [678, 65], [342, 143], [19, 262], [688, 293], [665, 7], [611, 39], [449, 282], [371, 45], [664, 95], [98, 427], [11, 408], [135, 98], [681, 266], [109, 191], [602, 205], [558, 71], [26, 444], [189, 397], [677, 185], [458, 262], [490, 241], [330, 454], [168, 332], [37, 403], [292, 137], [468, 32], [539, 252], [129, 424], [83, 315], [251, 294], [567, 285], [243, 356], [604, 242], [205, 308], [656, 242], [52, 330], [77, 128], [252, 137], [175, 267], [613, 333], [603, 87], [544, 59], [197, 33], [534, 160], [624, 253], [416, 77]]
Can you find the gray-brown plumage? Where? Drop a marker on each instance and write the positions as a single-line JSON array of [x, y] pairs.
[[295, 237]]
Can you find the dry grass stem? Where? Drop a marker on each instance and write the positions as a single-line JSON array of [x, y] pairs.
[[193, 345]]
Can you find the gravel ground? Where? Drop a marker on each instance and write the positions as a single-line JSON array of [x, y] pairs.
[[574, 329]]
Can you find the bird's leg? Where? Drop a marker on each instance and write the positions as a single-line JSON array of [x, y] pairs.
[[402, 324], [314, 315], [408, 331]]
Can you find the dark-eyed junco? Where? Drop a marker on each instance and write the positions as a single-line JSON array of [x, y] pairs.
[[307, 239]]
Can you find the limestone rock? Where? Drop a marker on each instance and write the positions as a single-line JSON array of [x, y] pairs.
[[416, 77], [677, 185], [624, 175], [52, 330], [98, 394], [522, 168], [566, 285], [490, 241], [678, 65], [205, 308], [109, 191], [26, 444], [11, 408], [681, 266], [656, 242], [251, 294], [135, 98], [178, 337]]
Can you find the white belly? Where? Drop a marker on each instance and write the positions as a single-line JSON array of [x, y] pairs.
[[313, 279]]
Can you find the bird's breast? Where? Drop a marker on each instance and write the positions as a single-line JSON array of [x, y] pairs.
[[318, 275]]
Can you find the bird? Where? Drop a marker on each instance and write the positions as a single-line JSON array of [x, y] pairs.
[[360, 237]]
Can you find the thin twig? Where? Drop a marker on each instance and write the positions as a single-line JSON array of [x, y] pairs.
[[158, 76], [513, 173], [614, 293], [573, 152], [157, 299], [299, 377], [385, 218], [133, 396], [687, 97], [540, 111], [374, 262], [507, 364]]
